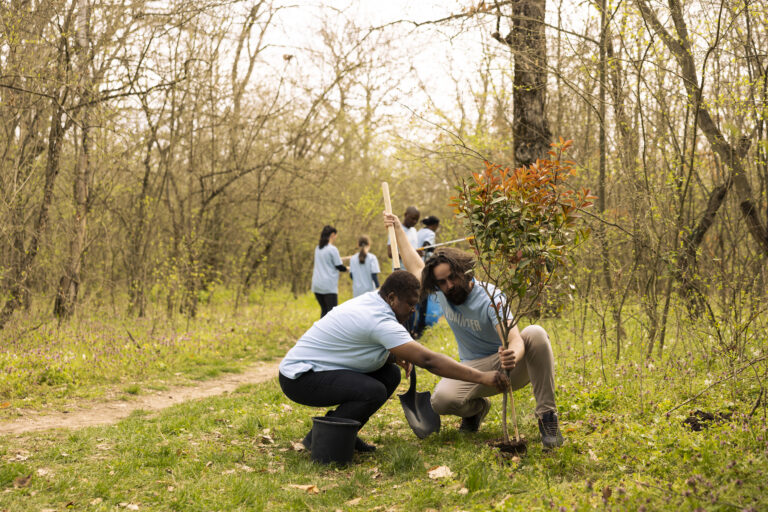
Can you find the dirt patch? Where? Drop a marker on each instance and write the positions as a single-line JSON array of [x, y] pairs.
[[699, 420], [105, 413], [511, 449]]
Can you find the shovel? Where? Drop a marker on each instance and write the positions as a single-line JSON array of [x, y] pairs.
[[418, 410]]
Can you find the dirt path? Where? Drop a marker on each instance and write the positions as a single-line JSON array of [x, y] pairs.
[[113, 411]]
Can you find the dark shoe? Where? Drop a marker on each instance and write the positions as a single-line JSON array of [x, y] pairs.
[[550, 430], [363, 447], [472, 423], [307, 441]]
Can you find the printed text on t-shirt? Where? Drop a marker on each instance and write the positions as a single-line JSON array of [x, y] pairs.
[[458, 319]]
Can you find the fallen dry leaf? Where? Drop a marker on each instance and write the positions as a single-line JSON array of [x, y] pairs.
[[592, 456], [171, 488], [208, 464], [440, 472], [22, 481], [228, 472], [96, 501], [267, 439], [297, 447], [5, 405], [20, 457], [311, 489], [354, 502], [287, 408], [463, 491], [43, 471], [245, 468]]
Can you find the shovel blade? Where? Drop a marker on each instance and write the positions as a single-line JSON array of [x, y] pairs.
[[418, 411]]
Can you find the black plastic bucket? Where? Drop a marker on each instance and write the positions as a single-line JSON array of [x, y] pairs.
[[333, 439]]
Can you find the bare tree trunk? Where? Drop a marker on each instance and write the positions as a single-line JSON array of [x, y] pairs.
[[680, 46], [20, 272], [69, 284], [527, 40]]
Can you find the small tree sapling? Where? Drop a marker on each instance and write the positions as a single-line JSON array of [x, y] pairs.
[[524, 223]]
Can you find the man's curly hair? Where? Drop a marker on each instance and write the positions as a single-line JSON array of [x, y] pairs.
[[462, 264]]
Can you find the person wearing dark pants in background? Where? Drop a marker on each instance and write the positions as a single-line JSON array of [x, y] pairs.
[[349, 358], [426, 237], [325, 274]]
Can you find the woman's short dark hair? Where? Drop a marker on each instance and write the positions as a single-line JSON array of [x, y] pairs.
[[461, 263], [402, 283], [325, 235]]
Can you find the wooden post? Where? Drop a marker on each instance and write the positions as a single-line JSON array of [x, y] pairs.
[[391, 229]]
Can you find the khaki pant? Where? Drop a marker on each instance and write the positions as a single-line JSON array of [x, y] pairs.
[[537, 367]]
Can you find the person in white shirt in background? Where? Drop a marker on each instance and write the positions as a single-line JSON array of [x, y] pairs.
[[364, 268], [325, 274], [426, 235], [410, 220]]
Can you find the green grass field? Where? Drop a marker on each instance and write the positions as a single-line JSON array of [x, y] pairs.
[[238, 451]]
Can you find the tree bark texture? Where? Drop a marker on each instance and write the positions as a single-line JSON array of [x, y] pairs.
[[531, 135]]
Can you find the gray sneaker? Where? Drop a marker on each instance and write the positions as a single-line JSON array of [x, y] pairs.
[[550, 430], [472, 423]]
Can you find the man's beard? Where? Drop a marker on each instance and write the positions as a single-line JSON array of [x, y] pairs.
[[458, 295]]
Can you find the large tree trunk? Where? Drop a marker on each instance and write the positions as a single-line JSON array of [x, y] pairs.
[[527, 40]]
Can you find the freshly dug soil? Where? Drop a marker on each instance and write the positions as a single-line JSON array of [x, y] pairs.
[[699, 420], [509, 450]]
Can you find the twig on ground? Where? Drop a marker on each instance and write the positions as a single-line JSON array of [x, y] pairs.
[[729, 377]]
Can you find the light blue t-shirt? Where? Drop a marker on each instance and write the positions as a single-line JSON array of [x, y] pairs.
[[425, 235], [361, 273], [474, 322], [325, 275], [356, 335], [412, 235]]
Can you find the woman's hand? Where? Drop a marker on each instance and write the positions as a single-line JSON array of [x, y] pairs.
[[405, 365], [496, 379]]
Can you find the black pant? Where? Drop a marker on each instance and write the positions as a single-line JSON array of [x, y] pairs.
[[358, 395], [327, 301], [421, 320]]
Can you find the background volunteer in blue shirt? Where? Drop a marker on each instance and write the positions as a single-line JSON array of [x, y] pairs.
[[470, 314], [325, 273], [410, 220], [364, 268], [349, 358]]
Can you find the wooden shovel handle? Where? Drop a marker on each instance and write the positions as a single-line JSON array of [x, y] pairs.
[[391, 229]]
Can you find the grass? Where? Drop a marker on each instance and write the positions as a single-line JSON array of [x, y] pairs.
[[49, 365], [237, 451]]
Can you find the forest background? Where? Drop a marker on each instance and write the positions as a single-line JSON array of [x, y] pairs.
[[158, 155]]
